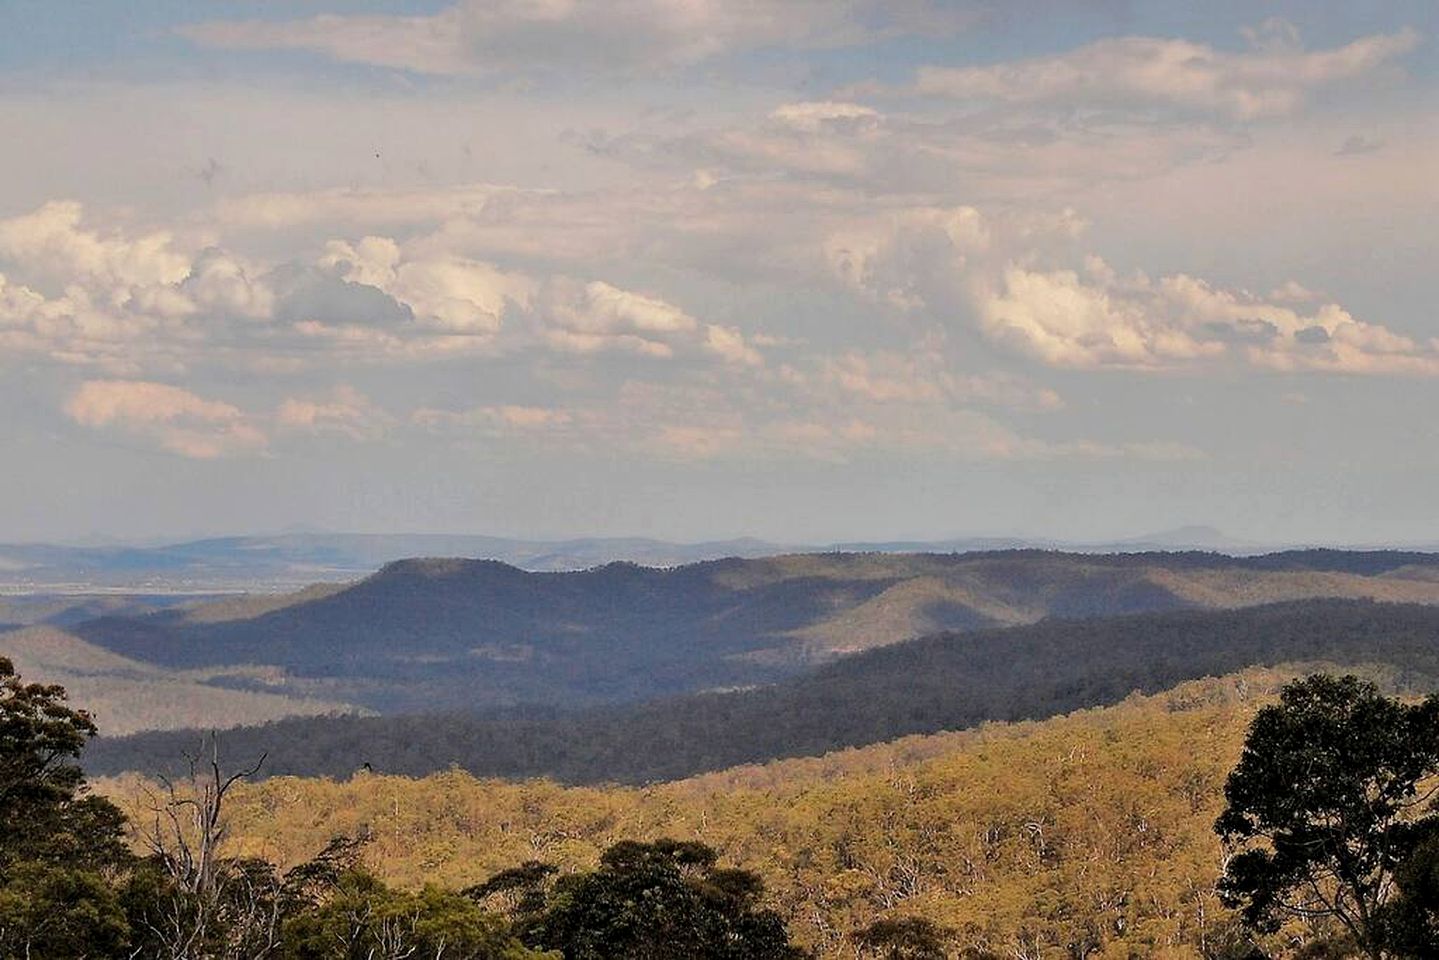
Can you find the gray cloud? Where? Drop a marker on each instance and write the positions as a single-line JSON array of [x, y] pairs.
[[1240, 331], [1356, 144], [305, 293]]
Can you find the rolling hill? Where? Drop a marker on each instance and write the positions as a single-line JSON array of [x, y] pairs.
[[946, 682], [425, 635]]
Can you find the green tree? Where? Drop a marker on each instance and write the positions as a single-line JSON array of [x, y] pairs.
[[664, 900], [1322, 805], [521, 892], [49, 911], [58, 846], [1411, 919], [363, 919], [42, 785], [905, 938]]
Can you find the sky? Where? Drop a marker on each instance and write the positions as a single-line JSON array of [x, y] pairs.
[[808, 270]]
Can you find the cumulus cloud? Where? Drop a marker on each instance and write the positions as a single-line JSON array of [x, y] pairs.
[[447, 293], [125, 302], [220, 283], [886, 258], [1272, 79], [51, 245], [1008, 275], [142, 304], [604, 309], [598, 316], [477, 37], [1096, 319], [177, 420]]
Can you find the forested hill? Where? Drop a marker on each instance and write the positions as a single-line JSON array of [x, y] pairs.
[[441, 634], [946, 682]]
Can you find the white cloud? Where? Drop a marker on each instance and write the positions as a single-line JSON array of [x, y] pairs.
[[1097, 319], [176, 419], [730, 345], [606, 309], [1272, 79], [220, 283], [446, 293], [119, 301], [815, 115], [137, 305], [599, 316], [51, 245], [1008, 275]]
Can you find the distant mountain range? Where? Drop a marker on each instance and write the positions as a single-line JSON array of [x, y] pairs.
[[290, 560], [423, 635]]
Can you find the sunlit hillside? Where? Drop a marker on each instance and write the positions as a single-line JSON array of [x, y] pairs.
[[1086, 835], [125, 695]]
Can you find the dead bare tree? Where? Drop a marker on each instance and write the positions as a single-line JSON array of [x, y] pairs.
[[188, 822], [209, 892]]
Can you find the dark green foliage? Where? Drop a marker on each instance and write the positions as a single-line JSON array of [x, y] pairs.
[[361, 918], [1318, 807], [660, 901], [59, 912], [523, 890], [905, 938], [40, 740], [85, 832], [56, 845], [1411, 919], [947, 682]]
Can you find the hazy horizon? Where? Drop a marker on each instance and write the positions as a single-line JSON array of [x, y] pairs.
[[1201, 535]]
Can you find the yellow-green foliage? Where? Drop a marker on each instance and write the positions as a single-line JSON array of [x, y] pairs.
[[1030, 839]]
